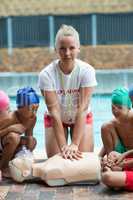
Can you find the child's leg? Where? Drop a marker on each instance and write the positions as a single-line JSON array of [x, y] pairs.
[[109, 137], [10, 143], [114, 179], [29, 142], [0, 176]]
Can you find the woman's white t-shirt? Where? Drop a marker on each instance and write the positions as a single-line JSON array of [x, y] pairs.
[[67, 86]]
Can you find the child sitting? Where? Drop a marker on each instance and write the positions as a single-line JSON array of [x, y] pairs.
[[117, 133], [117, 139], [14, 124], [119, 175]]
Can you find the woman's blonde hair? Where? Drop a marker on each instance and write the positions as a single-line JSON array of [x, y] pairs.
[[66, 30]]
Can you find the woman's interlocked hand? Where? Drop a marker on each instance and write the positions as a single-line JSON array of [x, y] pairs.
[[71, 152]]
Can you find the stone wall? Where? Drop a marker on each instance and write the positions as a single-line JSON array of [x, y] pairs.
[[33, 59], [41, 7]]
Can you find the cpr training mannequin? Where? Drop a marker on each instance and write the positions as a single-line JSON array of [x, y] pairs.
[[56, 170]]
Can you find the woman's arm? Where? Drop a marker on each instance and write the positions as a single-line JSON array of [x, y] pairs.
[[72, 151], [54, 110], [84, 101]]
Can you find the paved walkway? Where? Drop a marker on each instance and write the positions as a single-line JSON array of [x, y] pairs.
[[10, 190]]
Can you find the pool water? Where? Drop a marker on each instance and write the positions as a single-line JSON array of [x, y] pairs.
[[101, 108]]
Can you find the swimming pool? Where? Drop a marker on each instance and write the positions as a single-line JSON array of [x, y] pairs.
[[101, 107]]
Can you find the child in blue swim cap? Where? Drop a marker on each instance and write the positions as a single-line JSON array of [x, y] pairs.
[[26, 97], [15, 124], [27, 102]]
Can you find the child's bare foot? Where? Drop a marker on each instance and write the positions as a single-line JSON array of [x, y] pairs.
[[6, 173]]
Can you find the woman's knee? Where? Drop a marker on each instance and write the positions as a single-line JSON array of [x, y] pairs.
[[50, 153], [51, 150]]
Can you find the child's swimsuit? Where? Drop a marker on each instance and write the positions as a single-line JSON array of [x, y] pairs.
[[129, 172], [120, 147], [129, 177]]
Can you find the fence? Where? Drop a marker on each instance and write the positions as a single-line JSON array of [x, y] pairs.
[[94, 29]]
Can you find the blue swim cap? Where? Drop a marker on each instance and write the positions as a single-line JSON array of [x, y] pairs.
[[26, 96]]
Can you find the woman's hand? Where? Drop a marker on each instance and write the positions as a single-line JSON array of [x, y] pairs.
[[71, 152]]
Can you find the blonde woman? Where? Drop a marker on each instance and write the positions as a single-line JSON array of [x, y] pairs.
[[67, 85]]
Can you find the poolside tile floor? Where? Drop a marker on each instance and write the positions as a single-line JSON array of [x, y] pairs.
[[10, 190]]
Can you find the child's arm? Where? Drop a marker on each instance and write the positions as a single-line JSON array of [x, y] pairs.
[[30, 127], [123, 162], [18, 128], [124, 155], [102, 152], [31, 141], [4, 132], [127, 164]]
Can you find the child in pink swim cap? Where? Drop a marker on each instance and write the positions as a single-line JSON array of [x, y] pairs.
[[4, 101], [4, 105]]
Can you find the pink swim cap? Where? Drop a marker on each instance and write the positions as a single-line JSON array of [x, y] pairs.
[[4, 101]]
